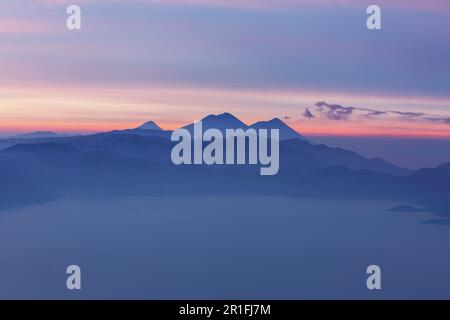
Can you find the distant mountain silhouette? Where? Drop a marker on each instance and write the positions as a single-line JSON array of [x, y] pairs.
[[148, 129], [139, 132], [286, 132], [228, 121], [156, 148], [65, 170], [294, 154], [155, 145], [221, 122], [438, 176], [305, 156], [37, 134], [137, 161], [149, 125], [69, 171], [442, 171]]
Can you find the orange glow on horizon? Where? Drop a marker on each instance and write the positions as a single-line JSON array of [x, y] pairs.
[[95, 127], [99, 109]]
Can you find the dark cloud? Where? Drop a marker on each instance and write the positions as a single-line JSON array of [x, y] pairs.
[[308, 114], [287, 118], [408, 114], [445, 120], [374, 113], [336, 112]]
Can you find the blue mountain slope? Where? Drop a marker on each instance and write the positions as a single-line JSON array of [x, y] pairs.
[[141, 132], [438, 175], [221, 122], [150, 125], [294, 154], [148, 129], [154, 148], [330, 157], [286, 132], [16, 190], [228, 121], [149, 142], [65, 170]]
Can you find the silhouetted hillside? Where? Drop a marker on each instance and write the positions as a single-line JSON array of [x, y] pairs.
[[66, 170]]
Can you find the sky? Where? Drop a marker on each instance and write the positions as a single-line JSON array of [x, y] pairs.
[[313, 64]]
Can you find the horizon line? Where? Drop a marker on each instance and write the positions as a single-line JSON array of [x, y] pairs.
[[88, 130]]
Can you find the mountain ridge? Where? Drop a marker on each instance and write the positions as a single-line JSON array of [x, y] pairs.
[[227, 120], [155, 145]]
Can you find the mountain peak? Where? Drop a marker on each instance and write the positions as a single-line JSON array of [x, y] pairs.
[[286, 132], [220, 121], [276, 121], [226, 116], [226, 120], [150, 125]]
